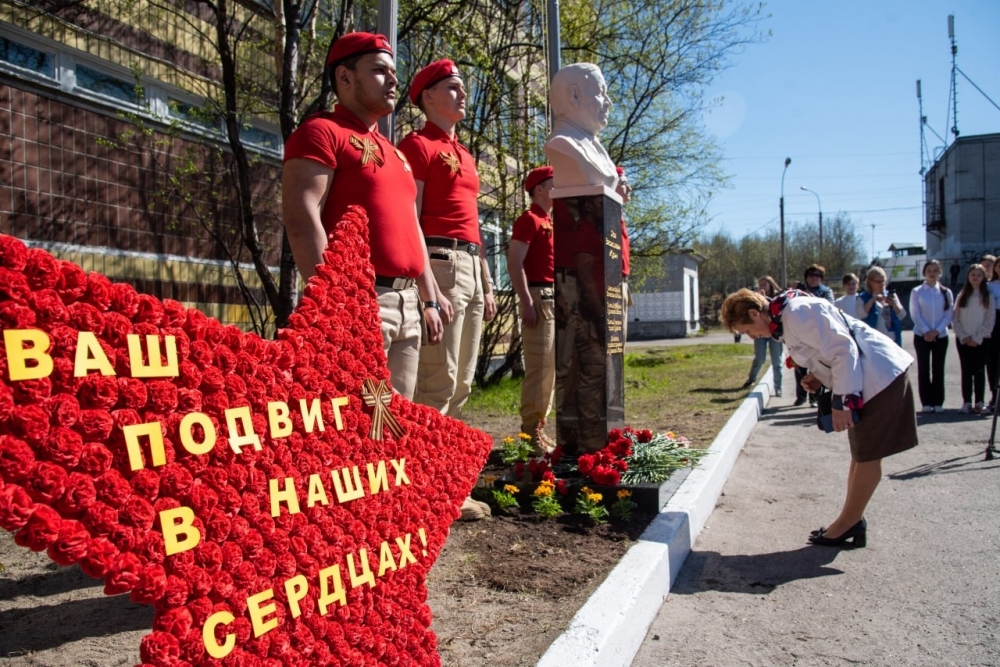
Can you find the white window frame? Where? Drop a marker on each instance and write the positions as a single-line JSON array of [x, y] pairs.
[[155, 105]]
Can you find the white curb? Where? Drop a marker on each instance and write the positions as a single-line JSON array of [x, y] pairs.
[[611, 626]]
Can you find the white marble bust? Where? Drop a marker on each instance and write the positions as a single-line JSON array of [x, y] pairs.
[[580, 103]]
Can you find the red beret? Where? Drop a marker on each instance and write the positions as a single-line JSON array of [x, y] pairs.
[[620, 170], [428, 76], [357, 44], [536, 176]]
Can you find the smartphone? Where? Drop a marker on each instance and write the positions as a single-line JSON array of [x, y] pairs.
[[826, 421]]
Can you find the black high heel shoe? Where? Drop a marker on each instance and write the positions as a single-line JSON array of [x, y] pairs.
[[858, 534], [822, 529]]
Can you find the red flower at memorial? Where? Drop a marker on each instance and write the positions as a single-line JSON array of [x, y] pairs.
[[236, 489]]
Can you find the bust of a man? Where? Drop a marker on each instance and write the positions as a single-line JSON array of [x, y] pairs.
[[580, 103]]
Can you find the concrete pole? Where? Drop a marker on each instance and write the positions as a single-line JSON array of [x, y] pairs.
[[386, 25]]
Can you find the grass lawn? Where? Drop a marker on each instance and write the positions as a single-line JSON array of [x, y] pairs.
[[691, 390]]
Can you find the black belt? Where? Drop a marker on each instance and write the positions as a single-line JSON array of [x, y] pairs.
[[454, 244], [398, 284], [541, 283]]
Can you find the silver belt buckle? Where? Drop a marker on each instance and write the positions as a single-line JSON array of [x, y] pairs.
[[473, 249], [402, 283]]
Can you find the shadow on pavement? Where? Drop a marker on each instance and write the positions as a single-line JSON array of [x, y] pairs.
[[44, 584], [950, 417], [757, 574], [24, 631], [957, 464]]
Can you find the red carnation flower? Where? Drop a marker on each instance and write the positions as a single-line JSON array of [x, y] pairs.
[[30, 422], [72, 283], [160, 648], [98, 391], [16, 458], [80, 494], [101, 555], [98, 291], [46, 482], [13, 253], [64, 410], [41, 269], [41, 529], [71, 545], [16, 507]]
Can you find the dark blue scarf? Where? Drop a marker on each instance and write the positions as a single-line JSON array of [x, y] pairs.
[[876, 312]]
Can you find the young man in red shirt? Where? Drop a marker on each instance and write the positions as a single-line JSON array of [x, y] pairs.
[[447, 205], [532, 274], [338, 158]]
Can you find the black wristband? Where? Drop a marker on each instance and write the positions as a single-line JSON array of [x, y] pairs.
[[432, 304]]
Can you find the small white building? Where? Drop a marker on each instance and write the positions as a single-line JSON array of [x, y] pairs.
[[667, 306]]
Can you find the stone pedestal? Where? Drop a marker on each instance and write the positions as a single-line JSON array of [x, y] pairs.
[[590, 391]]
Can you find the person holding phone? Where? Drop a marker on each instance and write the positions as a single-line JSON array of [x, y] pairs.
[[880, 308], [864, 370]]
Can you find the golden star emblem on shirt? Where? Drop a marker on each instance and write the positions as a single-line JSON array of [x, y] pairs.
[[402, 158], [452, 162], [369, 150]]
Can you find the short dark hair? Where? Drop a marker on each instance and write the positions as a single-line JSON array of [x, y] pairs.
[[350, 63], [815, 269]]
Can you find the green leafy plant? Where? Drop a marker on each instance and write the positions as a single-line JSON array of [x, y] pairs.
[[588, 503], [505, 499], [545, 503], [516, 449], [623, 507]]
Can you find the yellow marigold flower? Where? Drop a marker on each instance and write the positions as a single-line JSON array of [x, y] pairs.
[[595, 497], [508, 440], [524, 436], [510, 488], [543, 489], [623, 494], [586, 490], [671, 435], [489, 479]]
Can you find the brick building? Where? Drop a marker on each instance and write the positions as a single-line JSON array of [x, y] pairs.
[[108, 157]]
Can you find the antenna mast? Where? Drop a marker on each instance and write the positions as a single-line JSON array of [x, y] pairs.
[[954, 71], [924, 160]]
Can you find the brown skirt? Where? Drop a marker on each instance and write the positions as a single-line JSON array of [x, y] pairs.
[[888, 423]]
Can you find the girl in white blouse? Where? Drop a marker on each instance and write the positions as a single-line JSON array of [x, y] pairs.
[[931, 310], [975, 312]]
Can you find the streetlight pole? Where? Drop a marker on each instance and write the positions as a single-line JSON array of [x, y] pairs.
[[820, 206], [784, 260]]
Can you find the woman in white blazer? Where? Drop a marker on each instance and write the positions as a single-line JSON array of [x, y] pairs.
[[865, 372]]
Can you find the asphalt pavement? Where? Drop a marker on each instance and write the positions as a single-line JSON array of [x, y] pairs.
[[925, 591]]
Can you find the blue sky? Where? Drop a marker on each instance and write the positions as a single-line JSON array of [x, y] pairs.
[[834, 89]]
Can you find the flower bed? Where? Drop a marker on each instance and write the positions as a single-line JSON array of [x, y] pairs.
[[647, 467]]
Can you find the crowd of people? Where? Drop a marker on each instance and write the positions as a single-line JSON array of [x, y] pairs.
[[933, 309]]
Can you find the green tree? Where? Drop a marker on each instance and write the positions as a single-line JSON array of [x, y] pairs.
[[657, 57]]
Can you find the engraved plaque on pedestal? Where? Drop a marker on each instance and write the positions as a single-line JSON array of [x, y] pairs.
[[590, 391]]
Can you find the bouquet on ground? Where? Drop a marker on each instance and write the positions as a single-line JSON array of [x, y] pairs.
[[636, 457]]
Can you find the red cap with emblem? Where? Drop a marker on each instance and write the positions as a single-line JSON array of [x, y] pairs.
[[357, 44], [536, 176], [428, 76]]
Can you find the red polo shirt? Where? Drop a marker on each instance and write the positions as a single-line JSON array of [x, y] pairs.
[[535, 228], [451, 183], [370, 172]]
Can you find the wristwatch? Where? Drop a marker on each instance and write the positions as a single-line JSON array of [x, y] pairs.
[[432, 304]]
